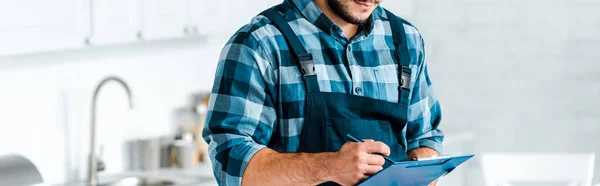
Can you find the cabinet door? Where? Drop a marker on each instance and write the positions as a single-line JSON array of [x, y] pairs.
[[206, 17], [196, 17], [163, 19], [114, 21], [40, 25]]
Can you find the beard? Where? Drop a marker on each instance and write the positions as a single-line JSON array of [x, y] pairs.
[[338, 7]]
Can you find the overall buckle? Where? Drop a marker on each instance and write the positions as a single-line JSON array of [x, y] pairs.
[[307, 65], [405, 78]]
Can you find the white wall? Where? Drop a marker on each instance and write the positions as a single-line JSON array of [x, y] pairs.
[[45, 99], [522, 75]]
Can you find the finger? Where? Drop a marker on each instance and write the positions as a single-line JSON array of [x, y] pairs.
[[434, 183], [370, 170], [368, 140], [376, 160], [377, 147]]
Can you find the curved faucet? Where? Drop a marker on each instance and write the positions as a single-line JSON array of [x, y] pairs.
[[94, 162]]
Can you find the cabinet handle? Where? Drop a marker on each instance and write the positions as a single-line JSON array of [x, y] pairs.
[[139, 35], [88, 40]]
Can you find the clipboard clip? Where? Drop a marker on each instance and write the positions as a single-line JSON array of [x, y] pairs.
[[447, 172], [432, 158]]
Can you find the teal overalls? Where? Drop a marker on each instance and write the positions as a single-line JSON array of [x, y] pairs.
[[329, 117]]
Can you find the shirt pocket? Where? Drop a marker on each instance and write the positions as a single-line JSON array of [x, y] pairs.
[[386, 84]]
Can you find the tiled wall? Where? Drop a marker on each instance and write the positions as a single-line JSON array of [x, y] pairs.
[[523, 75]]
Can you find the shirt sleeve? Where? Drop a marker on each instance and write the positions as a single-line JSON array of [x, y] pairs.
[[424, 113], [241, 109]]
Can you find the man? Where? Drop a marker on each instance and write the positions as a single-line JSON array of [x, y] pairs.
[[300, 77]]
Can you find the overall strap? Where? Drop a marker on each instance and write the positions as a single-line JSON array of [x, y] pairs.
[[303, 58], [404, 72]]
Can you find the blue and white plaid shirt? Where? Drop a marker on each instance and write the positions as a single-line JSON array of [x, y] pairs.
[[257, 80]]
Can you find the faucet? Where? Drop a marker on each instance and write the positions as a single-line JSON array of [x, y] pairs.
[[94, 162]]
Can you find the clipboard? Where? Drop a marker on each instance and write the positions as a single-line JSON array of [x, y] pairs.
[[415, 173]]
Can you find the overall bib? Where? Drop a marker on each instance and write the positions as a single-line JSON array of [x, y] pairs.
[[330, 116]]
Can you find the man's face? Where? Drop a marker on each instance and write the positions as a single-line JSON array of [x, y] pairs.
[[354, 11]]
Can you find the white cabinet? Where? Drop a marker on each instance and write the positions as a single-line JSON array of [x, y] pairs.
[[223, 17], [31, 26], [163, 19], [40, 25], [114, 21], [207, 17], [197, 15]]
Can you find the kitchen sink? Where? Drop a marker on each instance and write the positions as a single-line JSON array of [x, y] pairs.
[[139, 181]]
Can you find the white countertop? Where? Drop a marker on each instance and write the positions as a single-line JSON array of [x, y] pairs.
[[199, 176]]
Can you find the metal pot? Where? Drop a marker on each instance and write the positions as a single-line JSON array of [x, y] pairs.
[[184, 151], [146, 154]]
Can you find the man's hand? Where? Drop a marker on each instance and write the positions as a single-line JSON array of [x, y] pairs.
[[423, 152], [356, 161]]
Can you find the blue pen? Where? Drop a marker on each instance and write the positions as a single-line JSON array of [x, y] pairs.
[[351, 137]]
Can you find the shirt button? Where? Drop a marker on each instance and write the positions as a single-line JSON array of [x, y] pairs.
[[358, 90]]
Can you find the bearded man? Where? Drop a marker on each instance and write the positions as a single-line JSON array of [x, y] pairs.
[[305, 74]]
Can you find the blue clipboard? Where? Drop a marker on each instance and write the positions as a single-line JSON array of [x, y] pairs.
[[415, 173]]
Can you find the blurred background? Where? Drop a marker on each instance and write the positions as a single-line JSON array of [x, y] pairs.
[[514, 77]]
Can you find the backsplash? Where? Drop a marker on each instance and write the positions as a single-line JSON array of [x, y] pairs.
[[45, 106]]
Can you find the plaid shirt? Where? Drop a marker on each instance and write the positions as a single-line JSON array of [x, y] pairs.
[[258, 95]]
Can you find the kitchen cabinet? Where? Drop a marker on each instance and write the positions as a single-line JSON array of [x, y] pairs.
[[205, 17], [31, 26], [222, 17], [198, 14], [114, 21], [163, 19], [40, 25]]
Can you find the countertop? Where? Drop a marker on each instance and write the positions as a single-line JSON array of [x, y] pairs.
[[199, 176]]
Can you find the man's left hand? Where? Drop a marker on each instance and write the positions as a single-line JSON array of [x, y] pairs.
[[423, 152]]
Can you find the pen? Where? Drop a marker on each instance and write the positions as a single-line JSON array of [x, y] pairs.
[[353, 138]]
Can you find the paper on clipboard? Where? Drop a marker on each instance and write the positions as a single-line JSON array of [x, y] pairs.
[[415, 173]]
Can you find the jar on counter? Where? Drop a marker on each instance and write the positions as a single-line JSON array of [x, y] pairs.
[[190, 123]]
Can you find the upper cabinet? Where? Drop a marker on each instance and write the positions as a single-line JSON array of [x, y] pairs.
[[28, 26], [207, 17], [164, 19], [197, 16], [114, 21]]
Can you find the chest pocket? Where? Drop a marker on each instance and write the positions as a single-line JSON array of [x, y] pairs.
[[386, 85]]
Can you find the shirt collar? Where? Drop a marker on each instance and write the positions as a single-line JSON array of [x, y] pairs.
[[313, 13]]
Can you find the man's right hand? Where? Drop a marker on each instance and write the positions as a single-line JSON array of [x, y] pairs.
[[356, 161]]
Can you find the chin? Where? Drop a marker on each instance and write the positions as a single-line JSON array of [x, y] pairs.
[[362, 15]]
